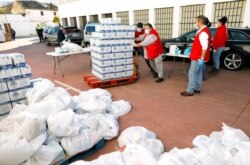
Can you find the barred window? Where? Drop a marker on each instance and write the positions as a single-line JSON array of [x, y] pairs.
[[83, 21], [65, 22], [141, 16], [94, 18], [232, 10], [188, 16], [73, 21], [107, 15], [124, 17], [164, 21]]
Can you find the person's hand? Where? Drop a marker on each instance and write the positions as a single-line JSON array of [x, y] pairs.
[[133, 44], [200, 62]]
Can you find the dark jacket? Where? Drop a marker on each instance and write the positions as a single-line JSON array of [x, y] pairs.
[[60, 36]]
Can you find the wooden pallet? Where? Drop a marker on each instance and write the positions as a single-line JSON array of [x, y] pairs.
[[82, 155], [94, 82]]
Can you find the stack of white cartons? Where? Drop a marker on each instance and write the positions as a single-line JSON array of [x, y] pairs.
[[111, 50], [14, 81]]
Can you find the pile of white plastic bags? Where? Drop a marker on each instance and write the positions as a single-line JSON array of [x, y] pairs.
[[54, 124], [141, 147]]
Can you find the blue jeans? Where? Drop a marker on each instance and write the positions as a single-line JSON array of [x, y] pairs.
[[216, 57], [194, 77], [204, 70]]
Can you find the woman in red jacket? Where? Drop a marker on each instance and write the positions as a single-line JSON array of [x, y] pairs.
[[219, 43]]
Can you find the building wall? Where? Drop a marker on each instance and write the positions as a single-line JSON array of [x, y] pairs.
[[97, 7], [26, 25]]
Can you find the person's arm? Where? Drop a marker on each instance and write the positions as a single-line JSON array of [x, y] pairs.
[[147, 41], [204, 44], [140, 38]]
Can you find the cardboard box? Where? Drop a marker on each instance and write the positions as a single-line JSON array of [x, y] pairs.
[[127, 73], [3, 87], [118, 68], [128, 54], [117, 62], [118, 75], [18, 94], [102, 63], [26, 71], [5, 109], [128, 48], [117, 55], [99, 56], [4, 97], [128, 67], [18, 59], [21, 101], [127, 61], [103, 70], [18, 84], [5, 61], [5, 75], [102, 76]]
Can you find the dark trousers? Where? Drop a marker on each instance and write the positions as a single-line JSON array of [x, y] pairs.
[[40, 37]]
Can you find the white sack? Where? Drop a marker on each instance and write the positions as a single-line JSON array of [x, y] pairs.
[[136, 154], [105, 124], [113, 158], [72, 47], [57, 100], [39, 91], [95, 101], [47, 154], [18, 109], [229, 133], [65, 123], [119, 108], [24, 125], [14, 150], [82, 142]]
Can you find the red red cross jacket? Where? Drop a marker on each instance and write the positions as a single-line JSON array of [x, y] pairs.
[[197, 47], [155, 49]]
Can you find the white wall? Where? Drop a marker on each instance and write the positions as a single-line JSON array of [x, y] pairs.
[[26, 26], [87, 7]]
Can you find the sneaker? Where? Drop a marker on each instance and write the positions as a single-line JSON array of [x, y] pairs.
[[155, 75], [158, 80], [214, 70]]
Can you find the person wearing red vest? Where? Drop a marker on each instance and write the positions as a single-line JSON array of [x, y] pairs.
[[219, 43], [153, 50], [200, 52]]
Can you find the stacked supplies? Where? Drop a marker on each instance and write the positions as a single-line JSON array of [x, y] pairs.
[[14, 81], [111, 50]]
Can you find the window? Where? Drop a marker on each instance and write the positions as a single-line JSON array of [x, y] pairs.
[[42, 13], [65, 22], [233, 10], [94, 18], [141, 16], [237, 35], [188, 16], [124, 17], [164, 22], [73, 21], [83, 21], [107, 15]]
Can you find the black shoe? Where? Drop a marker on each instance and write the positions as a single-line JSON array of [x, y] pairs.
[[185, 94], [197, 92], [158, 80], [214, 70], [155, 75]]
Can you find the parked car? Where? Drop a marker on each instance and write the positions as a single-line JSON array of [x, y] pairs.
[[236, 54], [87, 33], [72, 33], [46, 30]]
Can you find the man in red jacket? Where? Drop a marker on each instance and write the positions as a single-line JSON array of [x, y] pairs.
[[153, 50], [200, 52], [219, 43]]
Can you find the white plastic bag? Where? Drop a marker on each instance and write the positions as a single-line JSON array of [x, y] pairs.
[[72, 47], [82, 142], [14, 150], [24, 125], [95, 101], [65, 123], [136, 154], [119, 108], [105, 124], [18, 108], [229, 133], [37, 93], [47, 154], [57, 100]]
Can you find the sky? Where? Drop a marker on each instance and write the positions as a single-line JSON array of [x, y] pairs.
[[43, 1]]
